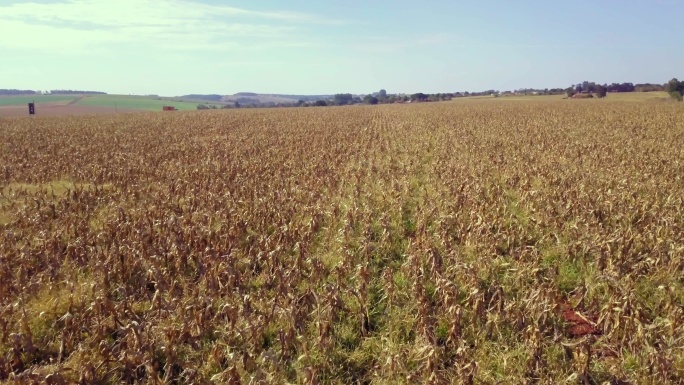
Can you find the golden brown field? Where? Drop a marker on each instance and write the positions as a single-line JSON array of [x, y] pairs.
[[478, 242]]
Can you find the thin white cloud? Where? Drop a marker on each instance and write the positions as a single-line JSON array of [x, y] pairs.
[[83, 25]]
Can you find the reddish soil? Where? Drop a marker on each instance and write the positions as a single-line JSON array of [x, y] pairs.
[[56, 109], [576, 324]]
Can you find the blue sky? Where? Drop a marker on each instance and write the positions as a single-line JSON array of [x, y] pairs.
[[173, 47]]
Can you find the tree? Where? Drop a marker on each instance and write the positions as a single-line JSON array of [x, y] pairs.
[[601, 91], [421, 97], [675, 88], [624, 87], [586, 86], [570, 92], [343, 99], [237, 104], [320, 103], [370, 99], [672, 85], [382, 94]]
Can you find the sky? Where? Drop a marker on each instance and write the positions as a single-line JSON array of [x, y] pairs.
[[176, 47]]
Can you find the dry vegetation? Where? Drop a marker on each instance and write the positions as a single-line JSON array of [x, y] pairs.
[[482, 242]]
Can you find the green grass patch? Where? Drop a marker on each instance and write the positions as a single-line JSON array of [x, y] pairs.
[[500, 363], [5, 217], [38, 99], [569, 272], [101, 217], [145, 103], [15, 193], [654, 293], [569, 276], [48, 312], [58, 188]]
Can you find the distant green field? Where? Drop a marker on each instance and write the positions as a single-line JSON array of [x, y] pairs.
[[134, 102], [17, 100]]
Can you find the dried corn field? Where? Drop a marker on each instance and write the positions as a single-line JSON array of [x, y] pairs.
[[473, 242]]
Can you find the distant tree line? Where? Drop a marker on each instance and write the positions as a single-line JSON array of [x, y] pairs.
[[592, 87], [244, 100], [255, 103], [535, 91], [601, 90], [248, 99], [17, 92], [305, 98], [76, 92], [648, 87], [588, 89], [210, 97], [207, 107]]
